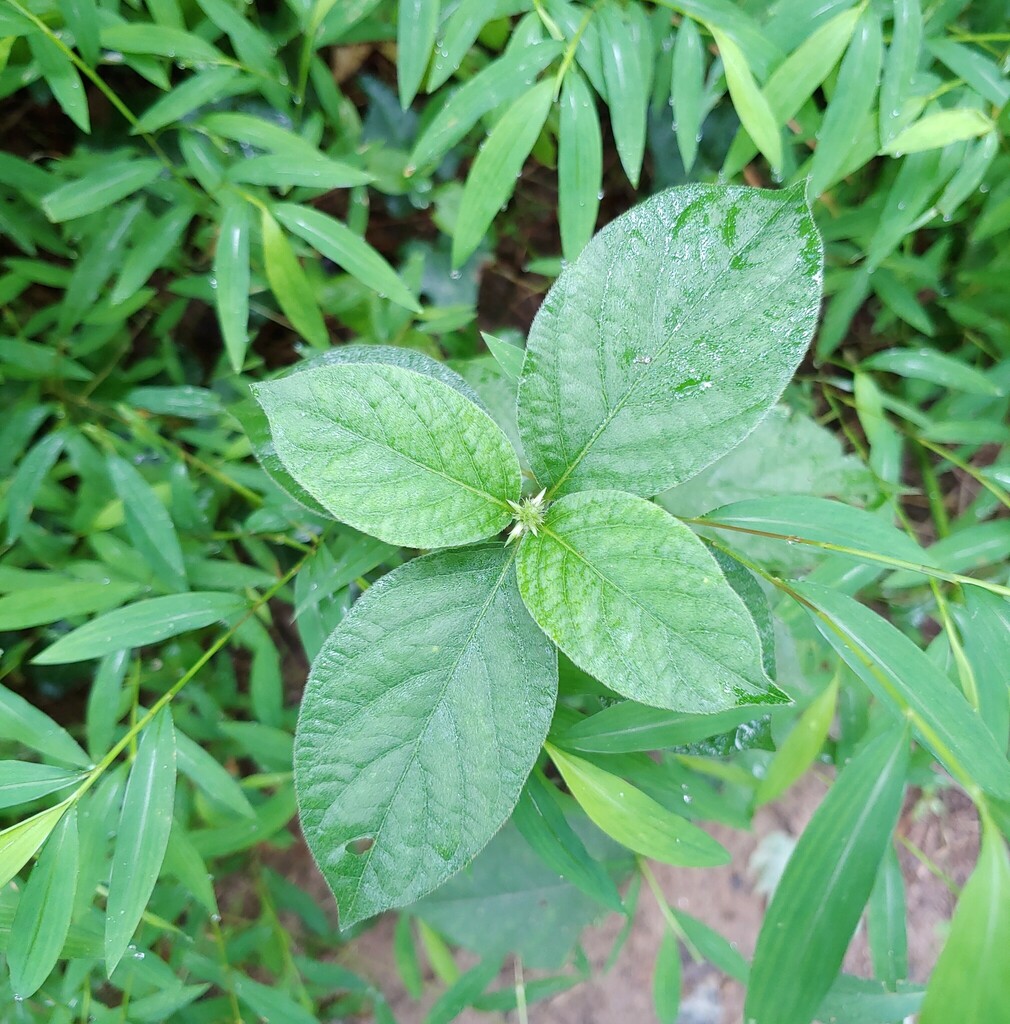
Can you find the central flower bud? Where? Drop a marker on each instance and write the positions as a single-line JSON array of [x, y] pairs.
[[527, 514]]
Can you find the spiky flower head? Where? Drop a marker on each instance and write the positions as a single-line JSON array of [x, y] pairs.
[[528, 514]]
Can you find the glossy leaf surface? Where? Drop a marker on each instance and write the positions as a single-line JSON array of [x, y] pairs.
[[669, 339]]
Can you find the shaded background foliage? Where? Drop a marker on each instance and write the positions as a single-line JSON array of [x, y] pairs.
[[197, 194]]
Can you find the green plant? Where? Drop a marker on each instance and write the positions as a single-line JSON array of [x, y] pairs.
[[231, 184], [658, 350]]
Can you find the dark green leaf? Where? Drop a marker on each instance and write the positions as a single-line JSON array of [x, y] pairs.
[[423, 715]]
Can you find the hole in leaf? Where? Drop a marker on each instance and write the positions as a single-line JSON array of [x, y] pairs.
[[360, 846]]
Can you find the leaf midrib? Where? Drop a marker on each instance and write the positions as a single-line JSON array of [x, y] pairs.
[[660, 352], [366, 858]]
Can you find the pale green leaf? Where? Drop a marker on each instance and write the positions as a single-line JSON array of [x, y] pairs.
[[580, 165], [393, 453], [509, 357], [502, 81], [626, 814], [98, 189], [687, 89], [929, 365], [148, 524], [885, 922], [900, 66], [907, 682], [25, 609], [416, 25], [337, 242], [278, 170], [627, 90], [984, 75], [634, 598], [669, 339], [161, 41], [290, 285], [208, 86], [21, 722], [23, 781], [62, 77], [24, 486], [969, 981], [231, 280], [151, 252], [19, 842], [423, 715], [850, 104], [142, 623], [492, 178], [825, 885], [666, 979], [750, 102], [799, 749], [934, 131], [43, 916], [145, 822]]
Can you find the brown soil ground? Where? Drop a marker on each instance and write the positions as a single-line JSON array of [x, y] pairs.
[[944, 829]]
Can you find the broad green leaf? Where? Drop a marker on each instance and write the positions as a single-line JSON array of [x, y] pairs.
[[968, 177], [24, 487], [500, 82], [861, 1001], [626, 814], [850, 104], [290, 285], [25, 609], [250, 130], [393, 453], [492, 178], [142, 623], [793, 82], [19, 842], [634, 598], [423, 716], [542, 823], [460, 32], [509, 357], [669, 339], [749, 101], [339, 243], [23, 781], [149, 525], [627, 727], [104, 702], [312, 171], [580, 165], [934, 131], [627, 91], [62, 78], [666, 978], [231, 280], [885, 922], [907, 682], [99, 189], [900, 66], [797, 753], [821, 521], [416, 25], [43, 916], [194, 92], [929, 365], [825, 885], [969, 981], [21, 722], [687, 89], [145, 822]]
